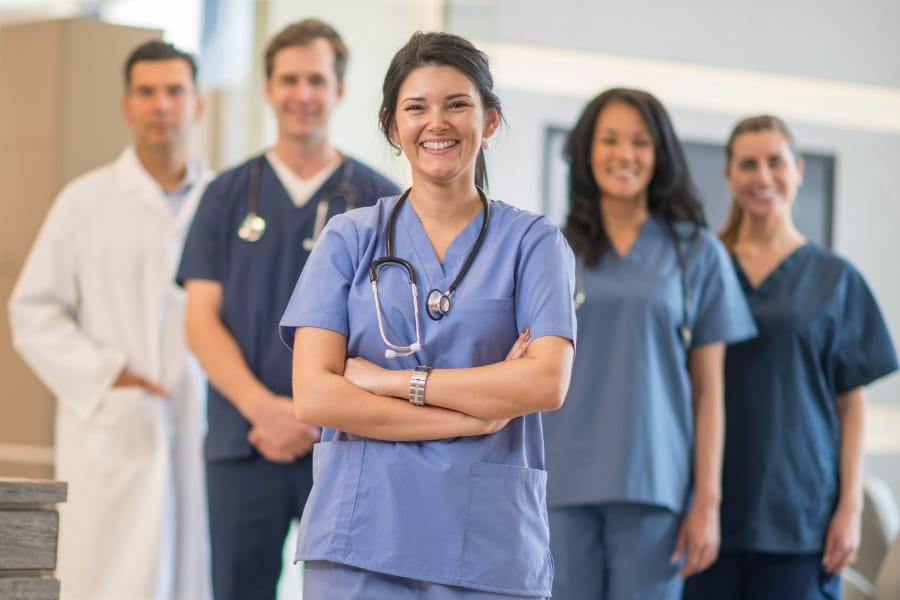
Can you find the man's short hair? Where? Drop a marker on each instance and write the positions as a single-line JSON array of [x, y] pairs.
[[304, 33], [157, 50]]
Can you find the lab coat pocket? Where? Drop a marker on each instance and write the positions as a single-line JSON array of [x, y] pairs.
[[125, 426], [507, 539]]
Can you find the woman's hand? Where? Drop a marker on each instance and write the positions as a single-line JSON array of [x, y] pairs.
[[366, 375], [698, 538], [520, 346], [842, 541]]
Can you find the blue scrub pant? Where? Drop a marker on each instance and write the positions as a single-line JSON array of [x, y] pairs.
[[330, 581], [251, 504], [760, 576], [614, 551]]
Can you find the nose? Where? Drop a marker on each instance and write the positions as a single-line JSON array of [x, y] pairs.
[[304, 90], [764, 174], [437, 120], [162, 101], [623, 150]]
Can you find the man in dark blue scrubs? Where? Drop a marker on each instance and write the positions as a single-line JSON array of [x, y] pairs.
[[249, 241]]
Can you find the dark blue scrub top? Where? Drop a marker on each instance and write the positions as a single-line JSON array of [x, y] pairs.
[[258, 277], [820, 334]]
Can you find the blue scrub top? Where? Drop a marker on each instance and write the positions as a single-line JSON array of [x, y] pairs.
[[820, 334], [470, 511], [257, 277], [626, 430]]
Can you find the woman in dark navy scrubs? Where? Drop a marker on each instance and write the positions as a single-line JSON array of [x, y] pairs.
[[792, 477]]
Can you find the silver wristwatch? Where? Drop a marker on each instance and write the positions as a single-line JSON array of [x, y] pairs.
[[417, 385]]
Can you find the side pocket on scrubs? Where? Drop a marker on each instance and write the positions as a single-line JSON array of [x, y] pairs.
[[507, 540], [336, 470]]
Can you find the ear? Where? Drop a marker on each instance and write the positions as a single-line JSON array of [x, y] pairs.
[[199, 107], [341, 88], [491, 122], [393, 134], [800, 167]]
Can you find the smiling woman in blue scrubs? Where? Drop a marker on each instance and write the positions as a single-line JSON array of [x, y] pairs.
[[792, 483], [429, 480], [641, 429]]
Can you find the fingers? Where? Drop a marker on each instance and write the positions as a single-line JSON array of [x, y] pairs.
[[154, 388], [838, 555], [520, 346], [699, 558], [679, 547]]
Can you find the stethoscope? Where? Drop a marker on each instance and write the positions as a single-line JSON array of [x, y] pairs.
[[253, 226], [684, 330], [438, 303]]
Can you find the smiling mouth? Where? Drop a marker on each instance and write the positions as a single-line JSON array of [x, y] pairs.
[[439, 145]]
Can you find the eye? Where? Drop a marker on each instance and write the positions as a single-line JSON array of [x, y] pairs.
[[606, 140], [413, 107], [776, 161], [642, 142], [746, 165], [459, 105]]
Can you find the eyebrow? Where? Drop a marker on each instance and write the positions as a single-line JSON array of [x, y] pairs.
[[449, 97]]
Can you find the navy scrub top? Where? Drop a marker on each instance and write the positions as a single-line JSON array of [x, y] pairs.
[[626, 430], [257, 277], [467, 511], [820, 334]]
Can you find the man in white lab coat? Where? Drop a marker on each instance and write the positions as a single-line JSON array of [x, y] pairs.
[[97, 316]]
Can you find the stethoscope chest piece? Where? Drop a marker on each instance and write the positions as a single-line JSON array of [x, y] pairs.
[[438, 304], [252, 227]]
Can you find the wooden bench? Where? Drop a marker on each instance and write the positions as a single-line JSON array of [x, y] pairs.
[[29, 528]]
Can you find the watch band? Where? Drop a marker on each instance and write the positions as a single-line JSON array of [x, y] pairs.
[[417, 385]]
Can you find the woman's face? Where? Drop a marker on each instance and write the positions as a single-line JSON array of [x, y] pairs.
[[440, 122], [623, 155], [763, 174]]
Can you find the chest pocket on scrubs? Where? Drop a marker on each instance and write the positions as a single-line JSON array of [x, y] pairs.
[[506, 540], [494, 321]]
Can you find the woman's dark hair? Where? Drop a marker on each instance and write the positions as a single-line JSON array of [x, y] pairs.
[[671, 194], [438, 49], [755, 124]]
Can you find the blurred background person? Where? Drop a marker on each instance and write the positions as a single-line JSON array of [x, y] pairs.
[[792, 480], [95, 313], [634, 455]]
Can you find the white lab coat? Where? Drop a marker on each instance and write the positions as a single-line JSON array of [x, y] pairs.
[[97, 293]]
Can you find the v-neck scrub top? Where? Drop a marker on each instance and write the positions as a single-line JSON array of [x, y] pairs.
[[257, 277], [466, 511], [626, 430], [820, 335]]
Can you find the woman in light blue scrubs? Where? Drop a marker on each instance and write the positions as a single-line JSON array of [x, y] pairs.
[[792, 482], [429, 482], [634, 455]]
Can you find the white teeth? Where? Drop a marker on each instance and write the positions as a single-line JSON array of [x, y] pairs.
[[438, 145], [621, 172]]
